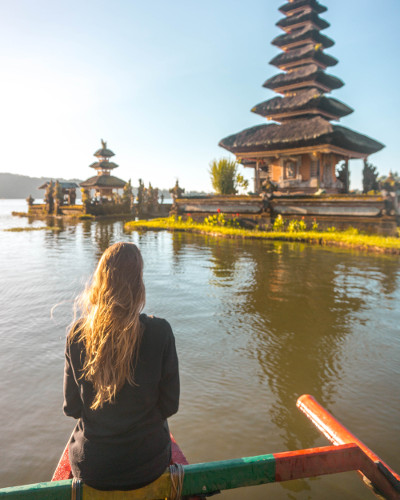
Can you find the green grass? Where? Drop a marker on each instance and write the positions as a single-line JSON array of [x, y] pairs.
[[347, 239], [42, 228], [86, 217]]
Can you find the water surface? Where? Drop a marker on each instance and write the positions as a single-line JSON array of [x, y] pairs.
[[257, 324]]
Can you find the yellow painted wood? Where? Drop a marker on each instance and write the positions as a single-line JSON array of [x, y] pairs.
[[160, 489]]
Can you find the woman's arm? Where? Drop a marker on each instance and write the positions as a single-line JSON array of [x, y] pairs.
[[168, 401], [72, 400]]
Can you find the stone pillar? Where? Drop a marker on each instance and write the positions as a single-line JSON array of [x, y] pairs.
[[347, 175], [257, 178]]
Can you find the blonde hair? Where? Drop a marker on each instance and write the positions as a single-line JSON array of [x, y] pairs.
[[109, 325]]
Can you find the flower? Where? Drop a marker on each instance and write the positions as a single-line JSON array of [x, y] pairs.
[[219, 210]]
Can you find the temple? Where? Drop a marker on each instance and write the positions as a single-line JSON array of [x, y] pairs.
[[299, 152], [103, 184]]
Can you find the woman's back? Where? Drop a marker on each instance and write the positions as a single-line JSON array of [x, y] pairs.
[[121, 440], [126, 443]]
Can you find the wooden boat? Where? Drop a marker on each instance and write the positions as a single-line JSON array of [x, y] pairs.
[[348, 453]]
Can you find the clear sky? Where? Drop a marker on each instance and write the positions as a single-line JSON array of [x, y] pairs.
[[163, 81]]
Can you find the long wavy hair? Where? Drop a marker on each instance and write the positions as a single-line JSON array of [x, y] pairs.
[[109, 324]]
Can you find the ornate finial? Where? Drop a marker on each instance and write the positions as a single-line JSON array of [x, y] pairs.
[[104, 144]]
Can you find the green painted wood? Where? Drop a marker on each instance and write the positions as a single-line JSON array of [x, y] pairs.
[[52, 490], [228, 474], [199, 478]]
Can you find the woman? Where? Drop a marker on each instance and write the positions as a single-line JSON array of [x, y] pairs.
[[121, 379]]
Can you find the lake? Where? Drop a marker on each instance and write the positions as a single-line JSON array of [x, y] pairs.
[[257, 324]]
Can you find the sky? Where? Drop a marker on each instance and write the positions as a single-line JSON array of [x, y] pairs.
[[163, 82]]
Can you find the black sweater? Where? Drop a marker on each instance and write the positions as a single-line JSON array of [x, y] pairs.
[[126, 444]]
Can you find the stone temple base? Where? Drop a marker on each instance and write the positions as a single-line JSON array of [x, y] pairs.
[[366, 213]]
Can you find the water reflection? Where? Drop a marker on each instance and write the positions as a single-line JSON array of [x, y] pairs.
[[300, 303], [103, 237], [224, 261]]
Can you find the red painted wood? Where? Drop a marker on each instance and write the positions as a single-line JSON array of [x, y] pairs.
[[63, 470], [316, 461], [177, 454], [338, 434]]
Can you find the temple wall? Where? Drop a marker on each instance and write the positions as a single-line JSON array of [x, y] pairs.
[[276, 172], [367, 213], [305, 167], [229, 204]]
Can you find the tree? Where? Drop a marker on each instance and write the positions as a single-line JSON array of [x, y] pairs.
[[343, 174], [225, 178], [370, 178], [127, 195]]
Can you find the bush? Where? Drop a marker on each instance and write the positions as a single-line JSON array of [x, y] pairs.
[[221, 220], [279, 224], [352, 230], [302, 225], [293, 226], [225, 178]]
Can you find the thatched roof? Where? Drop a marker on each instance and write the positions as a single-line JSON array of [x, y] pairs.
[[302, 53], [63, 185], [287, 22], [308, 73], [307, 33], [103, 181], [289, 6], [104, 152], [302, 101], [106, 165], [298, 133]]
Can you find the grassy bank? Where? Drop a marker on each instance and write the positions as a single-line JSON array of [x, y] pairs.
[[350, 238], [42, 228]]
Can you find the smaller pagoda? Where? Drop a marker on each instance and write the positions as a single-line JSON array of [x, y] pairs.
[[103, 184]]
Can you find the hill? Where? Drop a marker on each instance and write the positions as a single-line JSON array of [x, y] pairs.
[[14, 186], [21, 186]]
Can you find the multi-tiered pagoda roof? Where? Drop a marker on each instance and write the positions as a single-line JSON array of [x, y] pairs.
[[303, 112], [103, 181]]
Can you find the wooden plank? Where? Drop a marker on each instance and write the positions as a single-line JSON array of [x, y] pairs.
[[56, 490], [374, 468], [210, 477]]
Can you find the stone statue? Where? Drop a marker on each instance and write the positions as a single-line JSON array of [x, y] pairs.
[[176, 191], [48, 198]]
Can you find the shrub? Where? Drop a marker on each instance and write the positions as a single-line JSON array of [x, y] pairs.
[[225, 178], [221, 220], [352, 230], [279, 224], [293, 226], [302, 225]]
